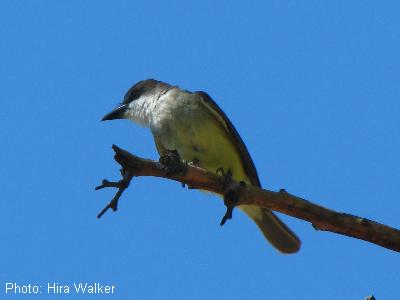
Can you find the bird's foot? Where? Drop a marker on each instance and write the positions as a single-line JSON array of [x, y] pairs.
[[227, 176], [193, 163], [172, 164]]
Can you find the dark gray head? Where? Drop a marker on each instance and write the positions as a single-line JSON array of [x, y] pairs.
[[142, 88]]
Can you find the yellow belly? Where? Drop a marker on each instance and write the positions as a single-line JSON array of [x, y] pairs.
[[205, 142]]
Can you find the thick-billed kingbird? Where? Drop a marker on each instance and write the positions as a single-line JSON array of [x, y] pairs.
[[192, 124]]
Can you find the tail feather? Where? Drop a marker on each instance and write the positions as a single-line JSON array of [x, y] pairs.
[[274, 230]]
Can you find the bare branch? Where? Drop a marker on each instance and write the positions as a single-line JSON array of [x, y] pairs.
[[122, 185], [320, 217]]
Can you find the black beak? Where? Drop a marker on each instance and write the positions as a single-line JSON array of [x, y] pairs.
[[117, 113]]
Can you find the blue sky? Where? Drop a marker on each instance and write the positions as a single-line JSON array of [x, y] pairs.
[[312, 87]]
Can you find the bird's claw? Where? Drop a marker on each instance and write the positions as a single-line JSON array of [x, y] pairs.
[[227, 176], [172, 164]]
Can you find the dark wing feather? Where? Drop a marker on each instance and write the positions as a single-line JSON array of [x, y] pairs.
[[247, 162], [273, 229]]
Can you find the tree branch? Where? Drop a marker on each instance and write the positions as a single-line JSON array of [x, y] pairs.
[[196, 178]]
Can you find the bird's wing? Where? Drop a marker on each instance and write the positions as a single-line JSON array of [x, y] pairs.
[[270, 225], [234, 136]]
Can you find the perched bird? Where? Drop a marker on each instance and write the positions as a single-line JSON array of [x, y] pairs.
[[192, 124]]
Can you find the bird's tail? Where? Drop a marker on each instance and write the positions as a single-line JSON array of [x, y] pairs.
[[274, 230]]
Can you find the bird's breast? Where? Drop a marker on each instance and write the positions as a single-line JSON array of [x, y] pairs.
[[188, 127]]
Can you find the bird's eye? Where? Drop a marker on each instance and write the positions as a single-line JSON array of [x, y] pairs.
[[133, 94]]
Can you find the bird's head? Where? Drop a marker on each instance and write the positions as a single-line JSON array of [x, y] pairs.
[[138, 101]]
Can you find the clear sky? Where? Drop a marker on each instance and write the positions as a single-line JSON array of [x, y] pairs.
[[312, 87]]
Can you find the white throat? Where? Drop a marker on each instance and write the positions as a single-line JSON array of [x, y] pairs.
[[144, 110], [140, 110]]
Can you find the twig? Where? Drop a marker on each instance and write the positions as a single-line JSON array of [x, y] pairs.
[[320, 217], [122, 185]]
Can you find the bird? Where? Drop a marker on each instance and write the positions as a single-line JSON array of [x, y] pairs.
[[193, 125]]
